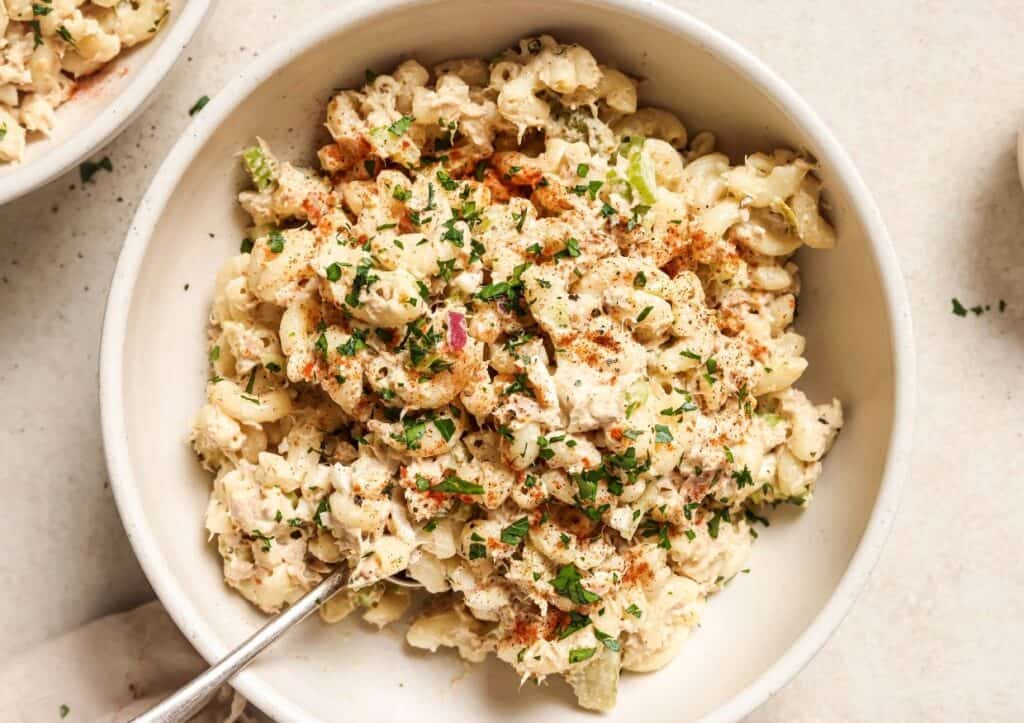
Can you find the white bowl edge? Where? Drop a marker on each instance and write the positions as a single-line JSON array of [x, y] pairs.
[[124, 108], [116, 316]]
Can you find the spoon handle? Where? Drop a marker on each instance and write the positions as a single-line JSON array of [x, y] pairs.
[[189, 699]]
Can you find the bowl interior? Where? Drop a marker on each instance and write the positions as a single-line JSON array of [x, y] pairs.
[[97, 97], [319, 670]]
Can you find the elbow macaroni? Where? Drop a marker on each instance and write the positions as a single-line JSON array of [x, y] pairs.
[[552, 381]]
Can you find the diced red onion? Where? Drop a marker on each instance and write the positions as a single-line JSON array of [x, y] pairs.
[[456, 330]]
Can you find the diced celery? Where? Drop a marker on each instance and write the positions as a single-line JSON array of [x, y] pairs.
[[259, 167], [782, 208], [640, 174]]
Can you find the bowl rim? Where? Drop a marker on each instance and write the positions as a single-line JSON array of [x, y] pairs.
[[168, 176], [113, 119]]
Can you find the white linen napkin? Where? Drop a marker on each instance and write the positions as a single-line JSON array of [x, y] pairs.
[[108, 671]]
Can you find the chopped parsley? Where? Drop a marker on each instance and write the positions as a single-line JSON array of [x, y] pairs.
[[640, 280], [578, 655], [644, 314], [354, 343], [333, 272], [363, 279], [662, 434], [607, 640], [446, 269], [246, 246], [458, 486], [634, 611], [39, 10], [447, 182], [515, 532], [568, 583], [715, 521], [400, 126], [519, 386], [582, 170], [276, 242], [959, 308], [412, 431], [572, 249], [446, 427], [199, 105], [577, 621], [743, 478], [264, 539], [64, 710], [65, 35]]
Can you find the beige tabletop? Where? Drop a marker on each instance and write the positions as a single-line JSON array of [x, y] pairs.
[[926, 96]]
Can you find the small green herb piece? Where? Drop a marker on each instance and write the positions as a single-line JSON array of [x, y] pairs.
[[246, 246], [214, 354], [572, 248], [333, 272], [446, 269], [514, 533], [582, 170], [634, 611], [477, 550], [199, 105], [65, 35], [446, 427], [743, 478], [400, 193], [264, 539], [457, 486], [363, 279], [400, 126], [276, 242], [447, 182], [644, 314], [37, 33], [64, 710], [354, 343], [519, 386], [578, 655], [607, 640], [577, 621], [958, 308], [662, 433], [640, 280], [568, 583]]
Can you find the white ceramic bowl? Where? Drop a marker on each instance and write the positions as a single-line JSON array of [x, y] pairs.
[[107, 103], [806, 570]]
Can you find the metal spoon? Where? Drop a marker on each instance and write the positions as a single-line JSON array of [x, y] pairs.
[[190, 699]]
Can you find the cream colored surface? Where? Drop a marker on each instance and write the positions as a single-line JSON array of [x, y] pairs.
[[926, 98]]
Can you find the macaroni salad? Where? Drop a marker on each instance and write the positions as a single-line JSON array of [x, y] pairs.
[[46, 45], [524, 342]]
